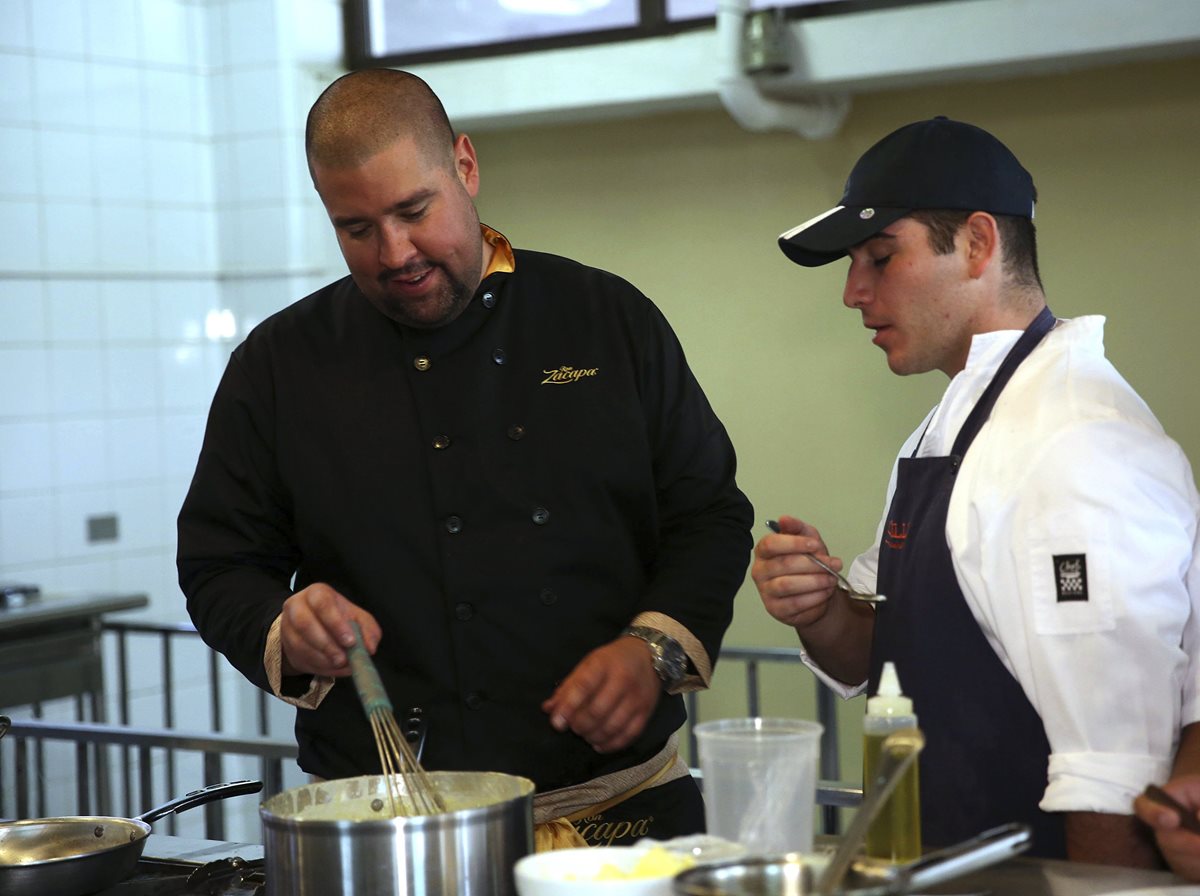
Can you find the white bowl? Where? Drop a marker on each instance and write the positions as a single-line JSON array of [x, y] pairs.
[[572, 872]]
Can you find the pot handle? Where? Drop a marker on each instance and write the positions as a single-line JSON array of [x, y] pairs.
[[992, 846], [199, 797], [416, 728]]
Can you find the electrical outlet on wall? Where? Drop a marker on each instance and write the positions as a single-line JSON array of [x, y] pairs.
[[102, 528]]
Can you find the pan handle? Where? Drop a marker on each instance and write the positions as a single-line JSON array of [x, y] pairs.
[[992, 846], [199, 797]]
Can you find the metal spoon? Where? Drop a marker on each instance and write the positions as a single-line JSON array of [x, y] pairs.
[[851, 592]]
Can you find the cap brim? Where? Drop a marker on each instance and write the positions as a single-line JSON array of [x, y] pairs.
[[828, 236]]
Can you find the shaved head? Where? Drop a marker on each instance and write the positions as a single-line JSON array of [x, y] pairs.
[[364, 112]]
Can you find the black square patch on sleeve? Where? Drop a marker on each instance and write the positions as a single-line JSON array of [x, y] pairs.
[[1070, 576]]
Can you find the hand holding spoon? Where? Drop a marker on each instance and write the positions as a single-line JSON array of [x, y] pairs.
[[852, 592], [1187, 818]]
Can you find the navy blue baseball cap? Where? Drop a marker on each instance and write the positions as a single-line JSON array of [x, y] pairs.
[[933, 164]]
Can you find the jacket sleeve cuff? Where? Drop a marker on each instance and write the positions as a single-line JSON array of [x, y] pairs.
[[843, 690], [318, 686], [1100, 782], [699, 678]]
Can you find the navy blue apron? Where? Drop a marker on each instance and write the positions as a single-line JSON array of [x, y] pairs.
[[986, 752]]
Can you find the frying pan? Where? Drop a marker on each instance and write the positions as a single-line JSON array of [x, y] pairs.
[[75, 855], [796, 874]]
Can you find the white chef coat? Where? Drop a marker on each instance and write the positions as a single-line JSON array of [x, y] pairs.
[[1073, 462]]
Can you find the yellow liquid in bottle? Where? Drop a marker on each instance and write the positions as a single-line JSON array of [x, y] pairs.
[[895, 835]]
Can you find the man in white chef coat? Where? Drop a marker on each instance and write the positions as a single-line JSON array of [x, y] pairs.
[[1037, 547]]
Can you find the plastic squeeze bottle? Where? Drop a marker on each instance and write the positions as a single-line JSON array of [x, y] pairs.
[[895, 835]]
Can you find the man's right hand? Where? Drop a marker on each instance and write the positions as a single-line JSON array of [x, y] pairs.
[[793, 588], [315, 632], [837, 631], [1179, 846]]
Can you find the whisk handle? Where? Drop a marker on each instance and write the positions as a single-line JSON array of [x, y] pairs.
[[366, 678]]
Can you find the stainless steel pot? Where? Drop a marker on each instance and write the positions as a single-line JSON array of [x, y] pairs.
[[334, 839], [796, 874]]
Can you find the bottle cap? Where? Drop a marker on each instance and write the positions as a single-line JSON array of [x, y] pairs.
[[888, 699]]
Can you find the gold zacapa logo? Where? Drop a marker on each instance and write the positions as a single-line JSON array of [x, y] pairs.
[[567, 374], [598, 831]]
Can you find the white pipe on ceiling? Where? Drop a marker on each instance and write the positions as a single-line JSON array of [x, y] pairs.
[[812, 115]]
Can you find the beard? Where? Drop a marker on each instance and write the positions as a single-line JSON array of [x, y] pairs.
[[437, 307]]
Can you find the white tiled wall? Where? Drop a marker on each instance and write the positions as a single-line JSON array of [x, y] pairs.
[[153, 207], [151, 184]]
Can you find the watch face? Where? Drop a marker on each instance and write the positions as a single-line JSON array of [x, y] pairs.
[[670, 661]]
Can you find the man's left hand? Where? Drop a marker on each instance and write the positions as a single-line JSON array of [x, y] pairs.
[[609, 696]]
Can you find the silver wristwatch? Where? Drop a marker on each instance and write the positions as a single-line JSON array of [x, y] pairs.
[[670, 661]]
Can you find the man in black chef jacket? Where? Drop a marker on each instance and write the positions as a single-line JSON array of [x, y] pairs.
[[498, 463], [1037, 546]]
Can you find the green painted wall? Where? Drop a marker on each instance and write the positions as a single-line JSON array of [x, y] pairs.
[[687, 206]]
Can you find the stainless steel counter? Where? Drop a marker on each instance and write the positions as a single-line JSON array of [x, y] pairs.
[[50, 647], [1015, 877], [166, 848], [48, 609]]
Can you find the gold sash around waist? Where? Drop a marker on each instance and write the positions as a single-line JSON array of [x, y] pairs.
[[555, 810]]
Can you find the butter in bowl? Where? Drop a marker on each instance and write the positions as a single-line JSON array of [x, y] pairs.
[[601, 871]]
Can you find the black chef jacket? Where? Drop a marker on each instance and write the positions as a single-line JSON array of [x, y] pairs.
[[504, 494]]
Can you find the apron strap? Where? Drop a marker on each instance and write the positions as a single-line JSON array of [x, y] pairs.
[[1042, 324]]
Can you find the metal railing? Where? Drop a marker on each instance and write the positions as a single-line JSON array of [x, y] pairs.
[[125, 754], [167, 633], [94, 748], [138, 761]]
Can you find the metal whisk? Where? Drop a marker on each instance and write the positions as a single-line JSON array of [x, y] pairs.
[[410, 790]]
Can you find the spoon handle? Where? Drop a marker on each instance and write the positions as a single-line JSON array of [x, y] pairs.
[[842, 580]]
